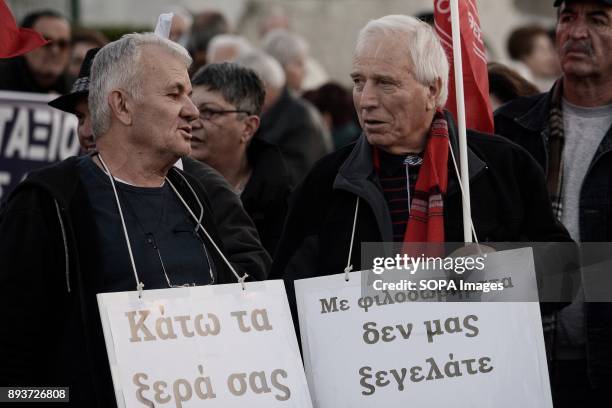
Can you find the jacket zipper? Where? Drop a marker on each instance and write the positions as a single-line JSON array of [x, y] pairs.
[[64, 239]]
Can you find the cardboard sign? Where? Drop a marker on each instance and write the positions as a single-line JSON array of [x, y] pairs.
[[394, 352], [32, 135], [213, 346]]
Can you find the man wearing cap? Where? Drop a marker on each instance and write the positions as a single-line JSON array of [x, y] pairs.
[[236, 229], [568, 130]]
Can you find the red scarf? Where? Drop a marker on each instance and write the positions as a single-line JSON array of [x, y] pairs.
[[426, 220]]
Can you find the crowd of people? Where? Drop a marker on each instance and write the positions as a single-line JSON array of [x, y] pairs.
[[206, 161]]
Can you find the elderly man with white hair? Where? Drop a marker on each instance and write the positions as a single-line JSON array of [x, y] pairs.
[[397, 183], [120, 219]]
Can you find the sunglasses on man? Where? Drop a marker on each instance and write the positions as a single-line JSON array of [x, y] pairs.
[[62, 43]]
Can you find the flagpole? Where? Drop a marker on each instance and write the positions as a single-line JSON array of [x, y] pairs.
[[463, 162]]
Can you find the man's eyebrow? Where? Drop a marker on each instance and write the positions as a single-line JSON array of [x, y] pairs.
[[598, 13], [177, 86], [384, 78]]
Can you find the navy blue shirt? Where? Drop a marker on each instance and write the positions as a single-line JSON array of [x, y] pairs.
[[161, 232]]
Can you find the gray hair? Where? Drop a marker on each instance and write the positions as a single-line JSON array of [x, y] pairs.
[[239, 43], [285, 46], [429, 61], [238, 85], [266, 67], [117, 66]]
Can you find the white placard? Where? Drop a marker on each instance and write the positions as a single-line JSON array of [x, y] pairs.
[[359, 358], [213, 346]]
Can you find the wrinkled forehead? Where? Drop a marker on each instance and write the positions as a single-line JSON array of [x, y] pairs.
[[587, 6], [385, 49], [162, 64]]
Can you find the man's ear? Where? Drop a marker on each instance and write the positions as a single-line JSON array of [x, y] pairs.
[[251, 124], [434, 93], [121, 106]]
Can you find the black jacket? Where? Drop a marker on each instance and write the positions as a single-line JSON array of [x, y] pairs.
[[51, 332], [295, 126], [525, 121], [508, 197], [240, 237], [265, 196]]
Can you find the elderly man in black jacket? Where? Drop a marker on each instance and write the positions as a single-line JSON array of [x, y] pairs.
[[119, 220], [397, 182], [568, 130]]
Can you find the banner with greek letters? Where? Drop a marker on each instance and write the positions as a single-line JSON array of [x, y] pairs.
[[213, 346], [32, 135], [393, 349]]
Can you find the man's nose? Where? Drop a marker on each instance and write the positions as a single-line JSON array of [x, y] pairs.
[[579, 29], [368, 97], [189, 110]]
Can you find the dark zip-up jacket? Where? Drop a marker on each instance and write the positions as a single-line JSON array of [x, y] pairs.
[[244, 245], [51, 332], [509, 203], [525, 122], [266, 194]]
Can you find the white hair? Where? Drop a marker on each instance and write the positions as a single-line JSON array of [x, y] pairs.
[[268, 69], [117, 66], [237, 42], [285, 46], [429, 61]]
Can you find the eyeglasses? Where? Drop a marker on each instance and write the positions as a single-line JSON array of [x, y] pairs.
[[212, 114], [153, 243], [62, 43]]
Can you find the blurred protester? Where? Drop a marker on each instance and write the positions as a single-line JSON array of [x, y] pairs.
[[314, 74], [505, 84], [236, 229], [227, 48], [205, 26], [288, 121], [534, 52], [69, 213], [335, 104], [42, 70], [274, 19], [291, 51], [182, 20], [396, 184], [230, 98], [83, 40], [569, 132]]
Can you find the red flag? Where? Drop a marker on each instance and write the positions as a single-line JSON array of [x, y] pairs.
[[478, 113], [14, 40]]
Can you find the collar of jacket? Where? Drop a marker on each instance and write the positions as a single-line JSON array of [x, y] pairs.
[[536, 118], [357, 176]]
